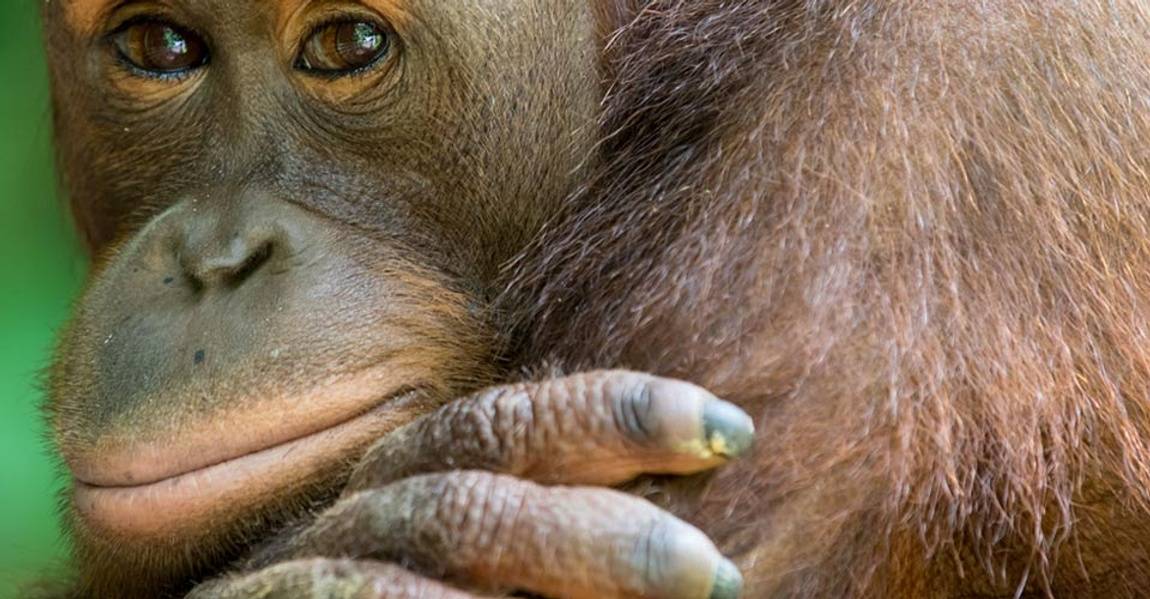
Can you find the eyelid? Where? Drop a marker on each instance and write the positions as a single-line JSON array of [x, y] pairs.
[[142, 19], [127, 12]]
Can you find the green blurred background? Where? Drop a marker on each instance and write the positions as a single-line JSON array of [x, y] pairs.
[[40, 270]]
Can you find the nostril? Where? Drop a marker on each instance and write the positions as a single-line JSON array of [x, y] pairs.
[[195, 282], [230, 269], [249, 266]]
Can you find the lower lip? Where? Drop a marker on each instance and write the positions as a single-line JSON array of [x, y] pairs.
[[194, 498]]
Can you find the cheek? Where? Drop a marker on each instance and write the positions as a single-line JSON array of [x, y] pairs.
[[112, 191]]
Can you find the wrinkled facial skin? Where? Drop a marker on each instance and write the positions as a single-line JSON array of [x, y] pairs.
[[280, 253]]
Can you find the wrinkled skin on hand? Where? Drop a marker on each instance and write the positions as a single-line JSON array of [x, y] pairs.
[[505, 490]]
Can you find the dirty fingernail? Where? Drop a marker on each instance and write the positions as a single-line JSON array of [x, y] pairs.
[[729, 431], [728, 582]]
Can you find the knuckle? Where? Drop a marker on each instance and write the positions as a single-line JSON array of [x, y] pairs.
[[339, 578], [335, 578], [511, 420], [633, 410], [652, 552], [486, 431], [408, 521], [476, 511], [597, 403]]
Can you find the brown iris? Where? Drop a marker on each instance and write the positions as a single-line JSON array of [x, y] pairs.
[[160, 48], [343, 47]]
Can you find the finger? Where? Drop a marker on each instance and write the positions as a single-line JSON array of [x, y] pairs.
[[597, 428], [330, 579], [498, 532]]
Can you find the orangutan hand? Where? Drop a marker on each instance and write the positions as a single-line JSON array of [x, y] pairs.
[[503, 491]]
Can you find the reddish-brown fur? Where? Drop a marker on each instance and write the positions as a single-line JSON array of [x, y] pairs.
[[912, 239], [909, 236]]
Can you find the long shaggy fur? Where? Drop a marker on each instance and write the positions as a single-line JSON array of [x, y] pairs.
[[913, 238]]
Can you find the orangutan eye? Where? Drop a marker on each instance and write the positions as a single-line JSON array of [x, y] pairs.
[[160, 48], [344, 47]]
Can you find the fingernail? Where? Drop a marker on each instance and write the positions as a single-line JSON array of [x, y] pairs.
[[728, 581], [728, 429]]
